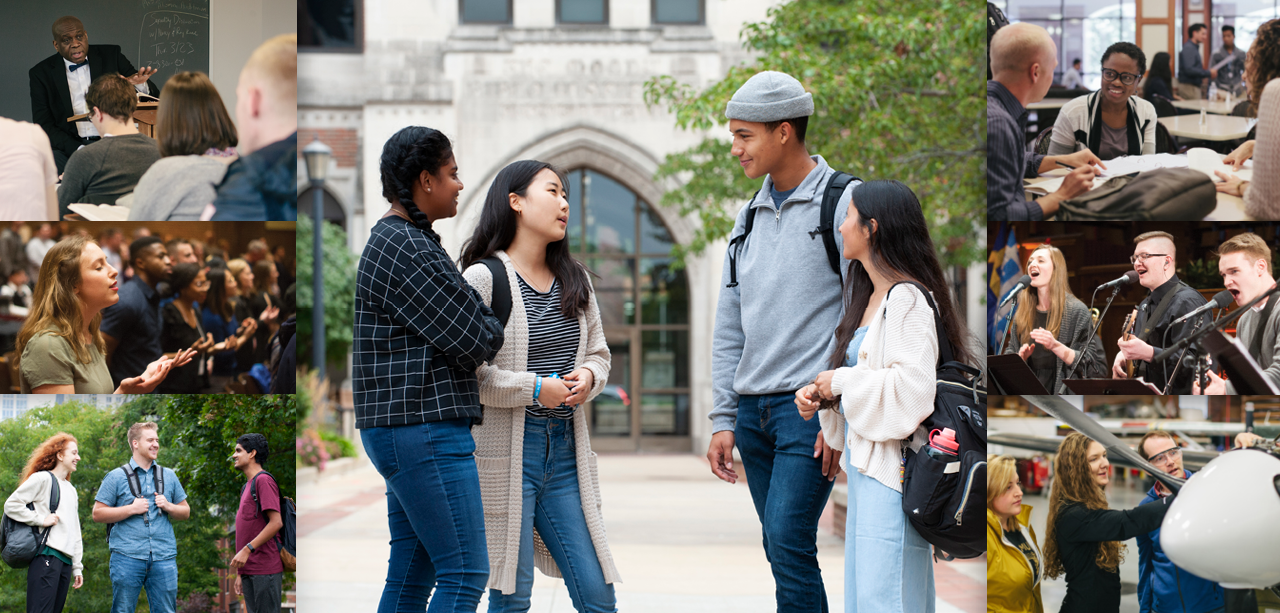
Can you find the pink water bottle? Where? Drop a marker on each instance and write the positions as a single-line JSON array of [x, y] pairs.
[[943, 446]]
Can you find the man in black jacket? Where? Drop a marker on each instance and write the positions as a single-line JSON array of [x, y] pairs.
[[59, 83]]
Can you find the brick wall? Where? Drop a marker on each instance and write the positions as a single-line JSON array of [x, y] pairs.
[[343, 141]]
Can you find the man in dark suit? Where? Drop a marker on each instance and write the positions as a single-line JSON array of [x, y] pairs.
[[59, 83]]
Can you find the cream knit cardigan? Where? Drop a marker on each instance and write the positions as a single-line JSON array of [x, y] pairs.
[[65, 535], [505, 390], [890, 391]]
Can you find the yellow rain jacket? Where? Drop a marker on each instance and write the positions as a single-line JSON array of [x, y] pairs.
[[1009, 587]]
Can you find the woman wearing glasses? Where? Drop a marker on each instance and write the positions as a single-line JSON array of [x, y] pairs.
[[1112, 121]]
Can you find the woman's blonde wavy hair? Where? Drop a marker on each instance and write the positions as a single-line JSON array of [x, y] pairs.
[[55, 307], [1073, 483]]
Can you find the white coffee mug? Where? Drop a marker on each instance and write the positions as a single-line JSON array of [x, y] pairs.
[[1204, 160]]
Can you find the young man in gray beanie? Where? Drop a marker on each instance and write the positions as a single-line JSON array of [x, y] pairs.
[[775, 327]]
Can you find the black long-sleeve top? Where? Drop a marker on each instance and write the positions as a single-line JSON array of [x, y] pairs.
[[1073, 332], [1078, 531], [420, 331], [1165, 334]]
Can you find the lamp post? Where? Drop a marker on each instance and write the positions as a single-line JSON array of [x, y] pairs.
[[317, 155]]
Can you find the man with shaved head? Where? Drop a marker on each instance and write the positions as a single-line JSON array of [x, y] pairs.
[[1154, 259], [1022, 61], [60, 81], [262, 184]]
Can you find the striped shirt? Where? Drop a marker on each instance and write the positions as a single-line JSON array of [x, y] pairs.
[[553, 341], [1008, 160]]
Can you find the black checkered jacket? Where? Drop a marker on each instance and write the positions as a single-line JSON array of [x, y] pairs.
[[420, 331]]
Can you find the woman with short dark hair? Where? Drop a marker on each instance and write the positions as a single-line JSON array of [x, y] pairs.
[[1112, 121]]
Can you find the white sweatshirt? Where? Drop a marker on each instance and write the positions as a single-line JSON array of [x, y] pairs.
[[65, 535]]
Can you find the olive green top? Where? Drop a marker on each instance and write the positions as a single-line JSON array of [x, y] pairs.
[[49, 360]]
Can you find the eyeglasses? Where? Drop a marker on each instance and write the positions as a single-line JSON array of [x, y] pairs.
[[1143, 256], [1168, 455], [1125, 77]]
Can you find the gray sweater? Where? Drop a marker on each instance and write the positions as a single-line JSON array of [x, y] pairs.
[[1073, 331], [1245, 330], [105, 170], [177, 188], [775, 330]]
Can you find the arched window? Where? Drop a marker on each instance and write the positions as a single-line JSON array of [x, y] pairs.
[[644, 306], [333, 212]]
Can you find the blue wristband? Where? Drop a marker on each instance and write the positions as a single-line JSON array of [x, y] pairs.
[[537, 388]]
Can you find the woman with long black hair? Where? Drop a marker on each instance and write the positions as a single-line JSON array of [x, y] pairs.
[[1160, 79], [420, 334], [534, 436], [884, 370]]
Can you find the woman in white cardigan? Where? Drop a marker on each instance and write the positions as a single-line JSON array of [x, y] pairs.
[[1112, 121], [50, 574], [538, 477], [884, 374]]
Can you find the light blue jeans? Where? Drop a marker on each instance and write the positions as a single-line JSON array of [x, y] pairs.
[[130, 575], [553, 505], [888, 566]]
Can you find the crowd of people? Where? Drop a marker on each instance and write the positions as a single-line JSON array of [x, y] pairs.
[[200, 165], [515, 336], [166, 314], [1121, 118], [139, 510]]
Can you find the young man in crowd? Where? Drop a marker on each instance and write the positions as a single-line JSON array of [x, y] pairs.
[[257, 560], [143, 548], [137, 314]]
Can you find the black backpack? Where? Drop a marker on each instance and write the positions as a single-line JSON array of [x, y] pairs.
[[135, 487], [501, 289], [945, 502], [20, 543], [287, 538], [1163, 194], [835, 187], [995, 20]]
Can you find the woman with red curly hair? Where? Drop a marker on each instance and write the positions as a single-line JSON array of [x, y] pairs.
[[51, 572]]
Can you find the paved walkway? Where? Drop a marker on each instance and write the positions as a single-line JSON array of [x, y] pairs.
[[682, 540]]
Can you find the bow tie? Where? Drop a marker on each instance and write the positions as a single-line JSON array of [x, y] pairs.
[[73, 67]]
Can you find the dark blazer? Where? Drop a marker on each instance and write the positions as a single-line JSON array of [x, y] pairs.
[[51, 97]]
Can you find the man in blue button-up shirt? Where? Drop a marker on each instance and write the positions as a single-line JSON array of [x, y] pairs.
[[144, 550]]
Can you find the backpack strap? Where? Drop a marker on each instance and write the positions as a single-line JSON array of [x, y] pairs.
[[735, 243], [501, 288], [158, 477], [54, 494], [830, 198], [944, 345], [134, 486]]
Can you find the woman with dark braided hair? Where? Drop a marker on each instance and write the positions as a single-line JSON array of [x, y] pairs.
[[420, 334], [1083, 534], [1262, 74]]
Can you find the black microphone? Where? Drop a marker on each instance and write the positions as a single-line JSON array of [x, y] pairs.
[[1127, 278], [1220, 300], [1022, 284]]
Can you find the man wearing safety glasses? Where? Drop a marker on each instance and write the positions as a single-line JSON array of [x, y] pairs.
[[1161, 585]]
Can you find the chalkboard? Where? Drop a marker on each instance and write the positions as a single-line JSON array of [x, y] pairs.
[[169, 35]]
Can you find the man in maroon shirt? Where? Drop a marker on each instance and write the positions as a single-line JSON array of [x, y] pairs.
[[257, 558]]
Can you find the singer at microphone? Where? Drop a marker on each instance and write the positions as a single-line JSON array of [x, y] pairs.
[[1052, 326], [1153, 259], [1245, 264]]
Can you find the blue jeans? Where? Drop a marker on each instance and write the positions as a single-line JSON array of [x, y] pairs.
[[435, 516], [553, 506], [888, 566], [130, 575], [789, 492]]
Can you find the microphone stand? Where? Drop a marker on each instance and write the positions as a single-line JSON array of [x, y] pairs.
[[1115, 291], [1218, 325], [1008, 325], [1201, 363]]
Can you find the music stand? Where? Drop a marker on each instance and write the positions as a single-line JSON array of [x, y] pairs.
[[1110, 387], [1012, 376], [1244, 373]]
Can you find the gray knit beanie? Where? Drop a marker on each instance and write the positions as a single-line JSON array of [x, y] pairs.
[[770, 96]]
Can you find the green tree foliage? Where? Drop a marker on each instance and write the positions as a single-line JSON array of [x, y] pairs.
[[197, 436], [898, 91], [339, 291]]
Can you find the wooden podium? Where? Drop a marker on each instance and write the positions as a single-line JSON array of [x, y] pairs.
[[145, 115]]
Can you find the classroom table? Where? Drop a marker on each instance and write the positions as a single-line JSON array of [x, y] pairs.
[[1217, 107], [1048, 103], [1216, 127]]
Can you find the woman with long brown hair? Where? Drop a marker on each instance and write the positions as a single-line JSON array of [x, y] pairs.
[[1082, 534], [1262, 74], [50, 574], [197, 142], [61, 350], [1052, 325], [219, 319]]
